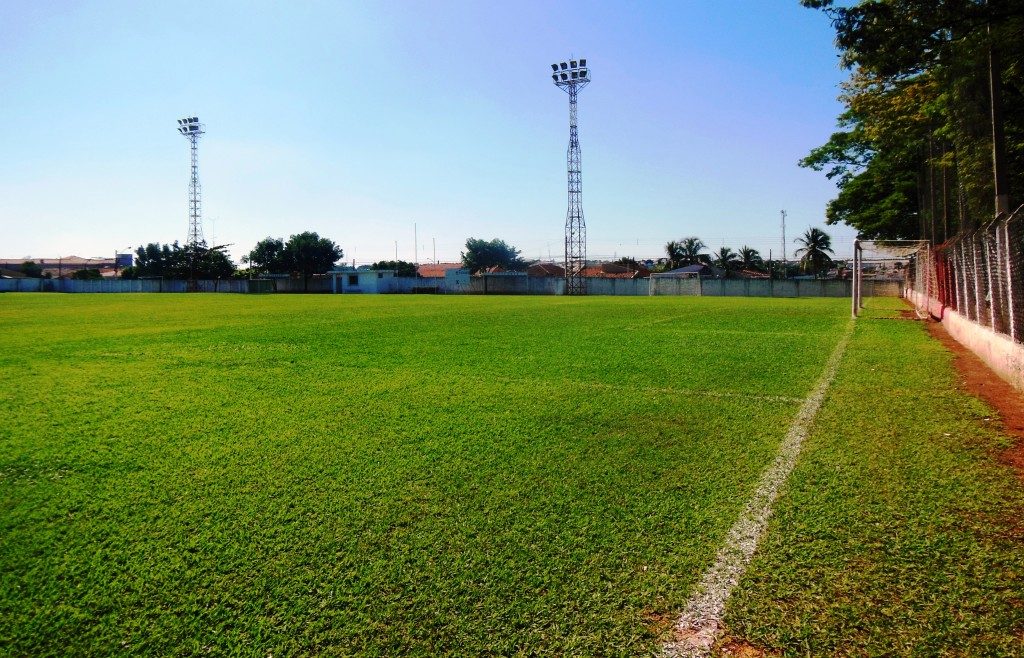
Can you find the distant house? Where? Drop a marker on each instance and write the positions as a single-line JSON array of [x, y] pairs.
[[347, 280], [545, 269], [437, 269], [697, 269], [752, 274], [616, 271]]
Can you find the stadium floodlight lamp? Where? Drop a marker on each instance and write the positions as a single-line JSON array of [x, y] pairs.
[[583, 73], [583, 62], [554, 67], [575, 74], [565, 77], [572, 63], [554, 76], [564, 66], [190, 126]]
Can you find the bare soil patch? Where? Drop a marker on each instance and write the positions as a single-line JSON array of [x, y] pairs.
[[740, 649]]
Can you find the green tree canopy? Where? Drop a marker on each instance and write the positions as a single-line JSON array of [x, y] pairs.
[[401, 267], [32, 269], [176, 262], [268, 257], [815, 254], [913, 157], [89, 274], [686, 251], [750, 258], [484, 254], [726, 258], [307, 254]]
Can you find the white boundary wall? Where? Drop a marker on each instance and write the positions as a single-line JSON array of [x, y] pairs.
[[998, 352]]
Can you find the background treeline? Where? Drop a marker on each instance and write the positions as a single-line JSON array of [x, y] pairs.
[[931, 81]]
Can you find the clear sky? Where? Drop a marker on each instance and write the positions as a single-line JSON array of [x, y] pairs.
[[357, 120]]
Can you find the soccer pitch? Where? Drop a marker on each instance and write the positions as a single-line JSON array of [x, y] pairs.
[[393, 475]]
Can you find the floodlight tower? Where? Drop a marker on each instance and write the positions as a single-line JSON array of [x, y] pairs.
[[192, 129], [570, 77]]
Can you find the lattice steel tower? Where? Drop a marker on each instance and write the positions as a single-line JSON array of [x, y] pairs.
[[570, 77], [192, 129]]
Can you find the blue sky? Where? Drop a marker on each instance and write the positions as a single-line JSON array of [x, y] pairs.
[[357, 120]]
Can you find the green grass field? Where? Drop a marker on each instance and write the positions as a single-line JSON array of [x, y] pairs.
[[395, 475]]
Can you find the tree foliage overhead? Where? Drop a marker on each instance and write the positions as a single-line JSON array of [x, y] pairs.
[[913, 156], [484, 254]]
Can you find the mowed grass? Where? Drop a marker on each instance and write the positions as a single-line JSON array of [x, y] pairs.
[[386, 475], [901, 532]]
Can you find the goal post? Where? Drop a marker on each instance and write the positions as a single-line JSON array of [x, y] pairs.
[[905, 264]]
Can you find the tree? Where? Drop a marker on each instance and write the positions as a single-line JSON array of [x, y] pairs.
[[32, 269], [267, 257], [176, 262], [750, 259], [308, 254], [814, 254], [690, 250], [914, 157], [726, 259], [483, 254], [86, 275], [401, 267]]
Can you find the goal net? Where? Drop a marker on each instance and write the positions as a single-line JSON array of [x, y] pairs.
[[906, 264]]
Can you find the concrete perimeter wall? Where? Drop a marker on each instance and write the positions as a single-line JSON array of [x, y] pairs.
[[490, 284], [998, 352], [133, 285]]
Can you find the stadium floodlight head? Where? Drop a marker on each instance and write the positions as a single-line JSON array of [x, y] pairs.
[[190, 126], [570, 77]]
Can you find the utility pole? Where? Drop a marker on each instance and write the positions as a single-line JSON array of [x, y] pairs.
[[416, 245], [783, 244]]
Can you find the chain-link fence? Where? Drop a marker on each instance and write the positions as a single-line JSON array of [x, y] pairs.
[[980, 275]]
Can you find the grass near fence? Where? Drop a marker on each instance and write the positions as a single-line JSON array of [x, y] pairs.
[[431, 476], [901, 532]]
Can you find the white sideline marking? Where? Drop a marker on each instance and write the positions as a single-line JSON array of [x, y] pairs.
[[697, 628]]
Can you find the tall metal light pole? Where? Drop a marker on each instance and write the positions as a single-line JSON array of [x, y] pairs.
[[192, 129], [784, 245], [570, 77]]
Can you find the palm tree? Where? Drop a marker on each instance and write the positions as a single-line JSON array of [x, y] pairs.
[[750, 259], [814, 254], [674, 250], [726, 258], [690, 249]]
